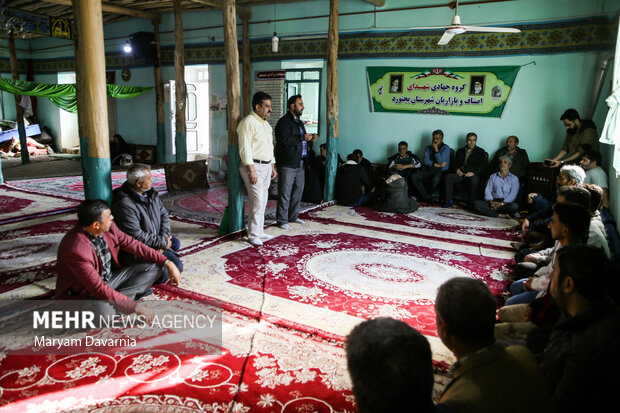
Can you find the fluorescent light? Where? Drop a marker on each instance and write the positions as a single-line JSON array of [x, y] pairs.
[[274, 42]]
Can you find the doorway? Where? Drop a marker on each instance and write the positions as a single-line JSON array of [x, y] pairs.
[[69, 134], [196, 112], [307, 83]]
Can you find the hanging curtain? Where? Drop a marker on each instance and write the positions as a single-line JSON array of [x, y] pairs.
[[64, 96], [611, 130]]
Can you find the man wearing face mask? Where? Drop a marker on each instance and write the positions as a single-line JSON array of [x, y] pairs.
[[292, 147], [257, 164], [581, 137]]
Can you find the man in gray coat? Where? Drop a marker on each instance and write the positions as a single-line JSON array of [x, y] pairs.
[[138, 211]]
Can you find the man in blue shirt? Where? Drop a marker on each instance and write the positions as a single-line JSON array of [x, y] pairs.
[[500, 193], [436, 161]]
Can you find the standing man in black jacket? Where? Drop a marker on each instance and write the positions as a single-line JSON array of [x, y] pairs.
[[470, 162], [292, 146]]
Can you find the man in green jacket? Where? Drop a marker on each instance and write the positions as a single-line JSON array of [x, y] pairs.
[[487, 377]]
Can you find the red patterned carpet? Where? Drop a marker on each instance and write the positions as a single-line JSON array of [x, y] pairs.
[[287, 307], [73, 186], [18, 205]]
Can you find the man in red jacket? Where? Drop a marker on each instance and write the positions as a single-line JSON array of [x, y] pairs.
[[87, 264]]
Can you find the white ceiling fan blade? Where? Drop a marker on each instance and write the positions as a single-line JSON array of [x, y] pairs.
[[445, 39], [428, 28], [492, 29]]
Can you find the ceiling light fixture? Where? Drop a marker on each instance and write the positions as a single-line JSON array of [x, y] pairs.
[[127, 47], [275, 40]]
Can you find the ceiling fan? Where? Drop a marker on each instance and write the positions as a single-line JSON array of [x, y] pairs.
[[457, 28]]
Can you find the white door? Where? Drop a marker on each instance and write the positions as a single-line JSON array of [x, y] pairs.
[[196, 118]]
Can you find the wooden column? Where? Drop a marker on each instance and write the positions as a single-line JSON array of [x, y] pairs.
[[19, 111], [92, 101], [233, 106], [332, 102], [159, 98], [180, 88], [247, 65]]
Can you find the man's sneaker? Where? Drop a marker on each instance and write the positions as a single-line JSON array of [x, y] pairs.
[[256, 242], [299, 221], [284, 226], [265, 236], [447, 204]]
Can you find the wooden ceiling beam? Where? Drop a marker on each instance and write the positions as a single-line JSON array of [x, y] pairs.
[[241, 10], [108, 8]]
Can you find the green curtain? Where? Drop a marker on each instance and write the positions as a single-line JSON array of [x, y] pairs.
[[64, 96]]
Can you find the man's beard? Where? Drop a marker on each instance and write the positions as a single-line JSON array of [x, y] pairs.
[[297, 113], [572, 130]]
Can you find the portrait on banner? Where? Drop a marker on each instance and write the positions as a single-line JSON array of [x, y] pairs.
[[476, 85], [396, 83]]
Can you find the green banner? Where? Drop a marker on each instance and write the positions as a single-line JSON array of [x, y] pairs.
[[441, 90]]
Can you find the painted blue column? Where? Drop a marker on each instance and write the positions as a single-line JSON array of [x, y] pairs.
[[331, 165], [161, 142], [180, 145], [235, 190], [96, 174], [21, 129]]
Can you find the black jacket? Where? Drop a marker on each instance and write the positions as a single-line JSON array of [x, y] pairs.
[[520, 162], [146, 221], [582, 351], [349, 181], [477, 162], [289, 141], [396, 198]]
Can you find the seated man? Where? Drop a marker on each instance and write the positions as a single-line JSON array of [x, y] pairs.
[[404, 162], [487, 376], [350, 178], [569, 225], [586, 339], [118, 147], [581, 137], [470, 162], [518, 157], [140, 213], [500, 193], [365, 163], [591, 163], [589, 197], [390, 365], [436, 161], [539, 207], [88, 267], [597, 235]]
